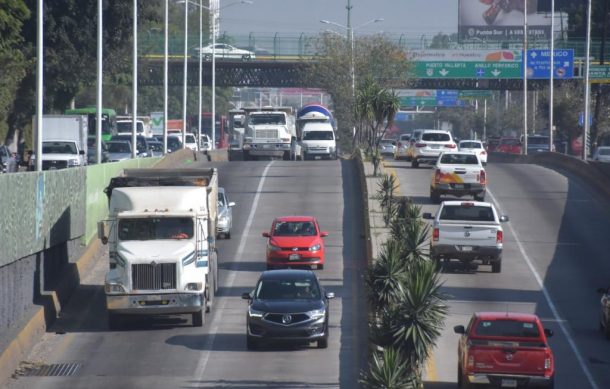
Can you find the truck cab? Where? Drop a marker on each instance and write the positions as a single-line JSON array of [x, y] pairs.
[[269, 132]]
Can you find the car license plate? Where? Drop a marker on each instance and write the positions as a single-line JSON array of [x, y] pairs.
[[267, 146], [294, 257], [466, 248], [435, 146], [509, 383]]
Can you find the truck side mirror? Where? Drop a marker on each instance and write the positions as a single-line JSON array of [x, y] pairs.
[[101, 233], [427, 215], [246, 296], [81, 152], [266, 235], [503, 218], [459, 329], [548, 332]]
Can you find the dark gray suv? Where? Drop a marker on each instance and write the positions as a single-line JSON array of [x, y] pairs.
[[287, 305]]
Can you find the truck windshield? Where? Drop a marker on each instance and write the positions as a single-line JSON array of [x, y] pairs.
[[507, 328], [470, 213], [318, 135], [267, 119], [59, 148], [155, 228], [127, 127]]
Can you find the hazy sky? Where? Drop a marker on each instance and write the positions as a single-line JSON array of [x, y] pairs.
[[410, 17]]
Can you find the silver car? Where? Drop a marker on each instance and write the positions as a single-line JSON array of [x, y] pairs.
[[118, 150], [602, 154], [225, 215]]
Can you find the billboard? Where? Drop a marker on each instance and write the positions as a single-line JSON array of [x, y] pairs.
[[501, 21]]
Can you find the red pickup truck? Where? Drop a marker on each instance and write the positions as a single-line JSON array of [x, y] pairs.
[[505, 350]]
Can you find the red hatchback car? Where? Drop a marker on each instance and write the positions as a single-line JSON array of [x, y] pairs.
[[295, 241], [509, 145]]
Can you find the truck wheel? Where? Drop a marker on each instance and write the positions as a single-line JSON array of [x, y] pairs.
[[496, 266], [461, 383], [414, 163], [209, 291], [199, 317], [286, 156], [215, 273], [228, 234], [305, 157], [479, 196], [435, 197], [323, 343], [246, 156]]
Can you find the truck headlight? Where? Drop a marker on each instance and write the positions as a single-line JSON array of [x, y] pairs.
[[317, 314], [114, 287], [194, 286], [255, 313], [331, 149], [315, 247], [73, 162]]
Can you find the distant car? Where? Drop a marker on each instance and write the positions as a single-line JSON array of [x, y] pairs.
[[142, 146], [387, 146], [156, 147], [429, 145], [537, 143], [191, 141], [173, 144], [602, 154], [223, 51], [295, 241], [509, 145], [505, 349], [474, 146], [5, 154], [402, 146], [205, 143], [492, 143], [225, 214], [287, 305], [118, 150], [458, 173]]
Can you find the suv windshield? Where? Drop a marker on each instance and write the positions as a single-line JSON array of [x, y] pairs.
[[59, 148], [436, 137], [297, 289]]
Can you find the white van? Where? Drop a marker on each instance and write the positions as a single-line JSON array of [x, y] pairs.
[[318, 141]]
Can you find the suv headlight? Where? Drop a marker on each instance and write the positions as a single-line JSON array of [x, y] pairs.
[[273, 247], [317, 314], [73, 162], [255, 313], [315, 247]]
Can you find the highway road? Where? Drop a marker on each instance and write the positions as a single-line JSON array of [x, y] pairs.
[[169, 353], [556, 249]]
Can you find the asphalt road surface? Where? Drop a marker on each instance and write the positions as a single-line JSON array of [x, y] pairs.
[[555, 256], [169, 353]]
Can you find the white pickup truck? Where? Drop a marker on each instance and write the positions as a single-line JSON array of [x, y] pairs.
[[458, 173], [467, 231]]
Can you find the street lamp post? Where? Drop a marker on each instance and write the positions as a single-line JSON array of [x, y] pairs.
[[134, 97], [585, 135], [350, 38]]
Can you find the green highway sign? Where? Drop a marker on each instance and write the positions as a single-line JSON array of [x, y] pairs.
[[421, 101], [599, 74], [463, 69], [474, 94]]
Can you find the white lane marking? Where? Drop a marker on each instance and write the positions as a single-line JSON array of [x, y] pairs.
[[205, 355], [549, 301]]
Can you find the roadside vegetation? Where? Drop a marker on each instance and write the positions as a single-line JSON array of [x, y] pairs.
[[407, 308]]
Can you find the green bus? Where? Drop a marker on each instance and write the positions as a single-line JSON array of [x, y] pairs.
[[109, 126]]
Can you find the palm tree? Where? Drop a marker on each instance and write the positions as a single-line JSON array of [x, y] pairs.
[[375, 108], [389, 369], [413, 234], [385, 195]]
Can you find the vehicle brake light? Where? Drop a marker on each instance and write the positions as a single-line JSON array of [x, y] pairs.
[[466, 205], [420, 145], [450, 146], [548, 363], [482, 177], [483, 152], [435, 234], [437, 176], [499, 236]]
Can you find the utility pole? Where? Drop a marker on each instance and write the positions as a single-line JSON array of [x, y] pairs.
[[524, 147], [599, 87], [585, 135]]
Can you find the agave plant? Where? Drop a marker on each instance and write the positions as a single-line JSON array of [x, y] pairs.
[[419, 316], [385, 278], [389, 369], [413, 237], [387, 198]]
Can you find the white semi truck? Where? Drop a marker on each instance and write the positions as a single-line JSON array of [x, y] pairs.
[[64, 141], [161, 236], [269, 132]]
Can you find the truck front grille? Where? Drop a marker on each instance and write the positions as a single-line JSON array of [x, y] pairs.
[[158, 276], [266, 134], [50, 165]]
